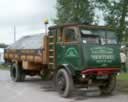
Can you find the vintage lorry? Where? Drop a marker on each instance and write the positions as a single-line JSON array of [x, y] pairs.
[[74, 55]]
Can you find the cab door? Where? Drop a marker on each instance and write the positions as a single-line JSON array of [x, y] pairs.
[[69, 49], [59, 47]]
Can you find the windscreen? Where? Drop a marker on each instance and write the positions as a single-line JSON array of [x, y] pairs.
[[98, 36]]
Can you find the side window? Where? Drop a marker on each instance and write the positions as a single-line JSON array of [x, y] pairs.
[[69, 35], [59, 35]]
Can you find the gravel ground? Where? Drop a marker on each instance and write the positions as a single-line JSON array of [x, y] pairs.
[[36, 90]]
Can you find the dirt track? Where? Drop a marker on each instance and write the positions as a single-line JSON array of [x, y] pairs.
[[36, 90]]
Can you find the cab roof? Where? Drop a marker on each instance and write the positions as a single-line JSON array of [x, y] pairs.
[[82, 25]]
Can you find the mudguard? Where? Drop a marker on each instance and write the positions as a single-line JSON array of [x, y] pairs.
[[69, 69]]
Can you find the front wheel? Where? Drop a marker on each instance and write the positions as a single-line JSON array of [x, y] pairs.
[[63, 83], [109, 87]]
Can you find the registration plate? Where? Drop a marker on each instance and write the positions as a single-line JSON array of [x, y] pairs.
[[102, 77]]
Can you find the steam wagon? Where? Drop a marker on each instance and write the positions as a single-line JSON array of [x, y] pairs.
[[74, 55]]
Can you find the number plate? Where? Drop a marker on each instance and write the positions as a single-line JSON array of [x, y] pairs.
[[102, 77]]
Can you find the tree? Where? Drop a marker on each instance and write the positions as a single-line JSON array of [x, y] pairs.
[[115, 13], [3, 45], [74, 11]]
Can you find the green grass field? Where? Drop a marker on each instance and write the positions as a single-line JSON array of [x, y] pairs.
[[4, 67], [123, 76], [122, 83]]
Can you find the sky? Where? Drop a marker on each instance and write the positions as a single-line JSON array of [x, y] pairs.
[[26, 15]]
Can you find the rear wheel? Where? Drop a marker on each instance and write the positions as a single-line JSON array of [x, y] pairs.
[[16, 73], [109, 87], [64, 83]]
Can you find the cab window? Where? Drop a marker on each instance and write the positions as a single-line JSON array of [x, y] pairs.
[[59, 35], [69, 35], [101, 36]]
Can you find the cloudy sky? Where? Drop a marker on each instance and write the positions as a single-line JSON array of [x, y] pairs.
[[26, 15]]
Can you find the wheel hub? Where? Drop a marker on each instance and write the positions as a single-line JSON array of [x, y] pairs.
[[61, 83]]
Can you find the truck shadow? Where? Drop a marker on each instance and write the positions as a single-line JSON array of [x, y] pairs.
[[85, 94], [78, 94]]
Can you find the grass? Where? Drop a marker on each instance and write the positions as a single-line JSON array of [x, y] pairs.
[[3, 67], [122, 86], [122, 83], [123, 76]]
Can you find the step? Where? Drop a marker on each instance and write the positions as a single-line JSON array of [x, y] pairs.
[[51, 63], [51, 66], [51, 37], [51, 50], [51, 43], [51, 56]]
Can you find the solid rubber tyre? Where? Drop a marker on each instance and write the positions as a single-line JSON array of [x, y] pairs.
[[16, 73], [63, 83]]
